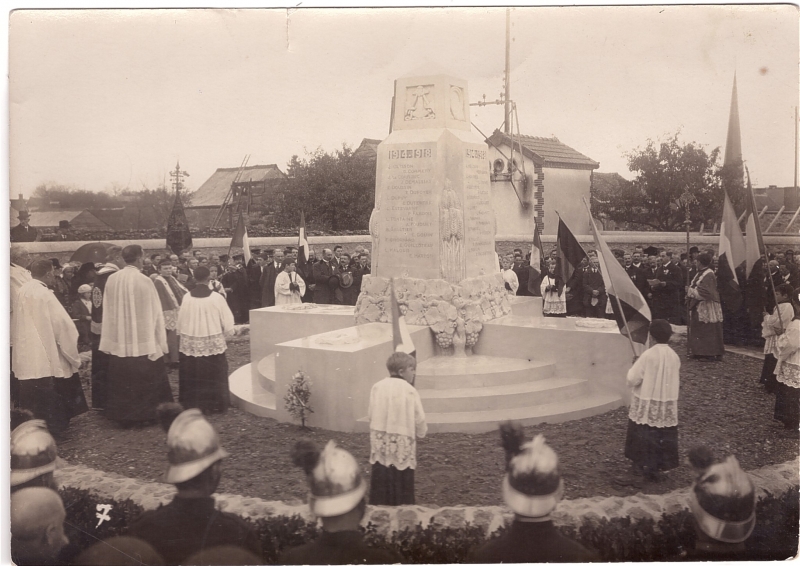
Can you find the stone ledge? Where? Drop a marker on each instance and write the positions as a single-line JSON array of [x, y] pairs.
[[772, 480]]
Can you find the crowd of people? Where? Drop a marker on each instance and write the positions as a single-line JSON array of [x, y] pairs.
[[680, 289], [145, 315]]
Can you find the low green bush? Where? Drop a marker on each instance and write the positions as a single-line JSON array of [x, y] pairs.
[[617, 540]]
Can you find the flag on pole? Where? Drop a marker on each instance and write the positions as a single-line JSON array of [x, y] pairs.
[[302, 242], [732, 253], [537, 261], [401, 337], [179, 237], [623, 293], [239, 239], [570, 251], [754, 241]]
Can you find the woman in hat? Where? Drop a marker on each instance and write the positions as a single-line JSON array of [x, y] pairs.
[[82, 315], [705, 325], [191, 522], [532, 488], [338, 497]]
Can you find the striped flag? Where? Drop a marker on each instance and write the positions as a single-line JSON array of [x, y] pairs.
[[754, 241], [240, 240], [401, 337], [570, 251], [623, 293], [732, 253], [537, 259], [302, 242]]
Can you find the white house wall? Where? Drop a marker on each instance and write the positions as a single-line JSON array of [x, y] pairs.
[[564, 190]]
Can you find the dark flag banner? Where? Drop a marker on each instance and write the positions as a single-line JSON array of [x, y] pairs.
[[240, 240], [536, 263], [754, 242], [570, 252], [732, 253], [622, 293], [179, 238]]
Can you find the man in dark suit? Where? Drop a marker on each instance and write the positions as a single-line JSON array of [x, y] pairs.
[[64, 231], [268, 277], [326, 279], [24, 232], [594, 291], [667, 292], [255, 270], [522, 269], [637, 275]]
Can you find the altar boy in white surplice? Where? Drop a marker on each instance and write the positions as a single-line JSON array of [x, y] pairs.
[[289, 286]]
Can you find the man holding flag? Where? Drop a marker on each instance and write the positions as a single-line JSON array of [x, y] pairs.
[[732, 256]]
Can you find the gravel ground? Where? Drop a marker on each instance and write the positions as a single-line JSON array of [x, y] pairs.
[[721, 404]]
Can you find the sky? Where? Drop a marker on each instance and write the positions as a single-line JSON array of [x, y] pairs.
[[103, 99]]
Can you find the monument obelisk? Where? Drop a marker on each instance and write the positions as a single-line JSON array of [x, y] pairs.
[[433, 225]]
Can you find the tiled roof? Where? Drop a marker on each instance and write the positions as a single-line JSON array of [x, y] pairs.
[[367, 150], [546, 151], [215, 189]]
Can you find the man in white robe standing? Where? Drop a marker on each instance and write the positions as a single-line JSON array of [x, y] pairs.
[[134, 336], [45, 356]]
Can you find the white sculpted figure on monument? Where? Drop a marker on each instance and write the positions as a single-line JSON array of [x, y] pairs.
[[432, 166]]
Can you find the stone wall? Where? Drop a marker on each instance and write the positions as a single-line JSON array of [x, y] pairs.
[[768, 480]]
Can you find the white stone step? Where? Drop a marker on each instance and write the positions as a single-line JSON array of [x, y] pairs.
[[538, 392], [266, 373], [561, 411], [444, 372], [255, 400]]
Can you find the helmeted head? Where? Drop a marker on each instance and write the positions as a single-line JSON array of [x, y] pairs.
[[33, 454], [723, 498], [532, 486], [334, 478], [193, 445]]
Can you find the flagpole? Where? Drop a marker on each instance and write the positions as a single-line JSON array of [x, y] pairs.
[[619, 303], [763, 250], [686, 199]]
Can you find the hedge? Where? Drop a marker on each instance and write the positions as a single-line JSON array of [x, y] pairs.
[[617, 540]]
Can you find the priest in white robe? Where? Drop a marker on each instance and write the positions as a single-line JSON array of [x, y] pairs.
[[135, 338], [289, 286], [45, 356], [204, 321]]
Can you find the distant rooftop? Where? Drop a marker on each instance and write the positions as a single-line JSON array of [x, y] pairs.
[[215, 189], [549, 152]]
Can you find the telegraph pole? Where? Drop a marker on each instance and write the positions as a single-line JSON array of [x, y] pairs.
[[507, 123]]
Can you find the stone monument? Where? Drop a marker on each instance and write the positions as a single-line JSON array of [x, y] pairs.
[[483, 357], [433, 226]]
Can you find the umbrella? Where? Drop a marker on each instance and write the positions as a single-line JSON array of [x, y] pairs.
[[95, 252]]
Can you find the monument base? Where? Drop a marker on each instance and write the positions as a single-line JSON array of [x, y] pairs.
[[524, 367]]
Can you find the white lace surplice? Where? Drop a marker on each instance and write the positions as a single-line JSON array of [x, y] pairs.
[[788, 368], [396, 419], [655, 379], [203, 324], [553, 302], [771, 325]]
